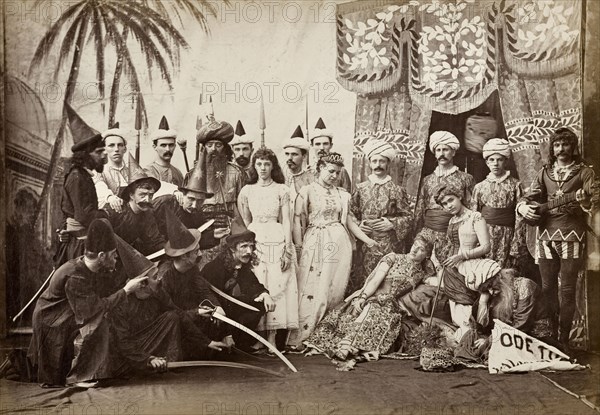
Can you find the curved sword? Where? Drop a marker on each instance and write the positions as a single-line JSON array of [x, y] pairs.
[[218, 363], [257, 337], [232, 299]]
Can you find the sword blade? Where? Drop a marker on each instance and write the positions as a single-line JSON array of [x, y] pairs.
[[201, 229], [257, 337], [232, 299], [202, 363]]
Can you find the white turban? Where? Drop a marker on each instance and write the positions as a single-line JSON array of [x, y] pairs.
[[376, 147], [496, 146], [478, 271], [443, 137]]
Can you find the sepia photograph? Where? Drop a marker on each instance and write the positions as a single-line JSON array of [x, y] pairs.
[[307, 207]]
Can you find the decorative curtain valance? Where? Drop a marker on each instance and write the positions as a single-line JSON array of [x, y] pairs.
[[452, 48]]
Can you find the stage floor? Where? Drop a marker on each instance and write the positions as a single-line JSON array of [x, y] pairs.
[[382, 387]]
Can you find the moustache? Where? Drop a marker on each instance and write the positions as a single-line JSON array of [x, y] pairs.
[[168, 154], [378, 169], [242, 161], [290, 163], [442, 158], [321, 153]]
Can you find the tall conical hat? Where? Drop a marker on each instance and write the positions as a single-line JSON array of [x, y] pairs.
[[297, 140], [180, 239], [113, 130], [196, 181], [163, 131], [136, 174], [239, 232], [321, 131], [85, 137], [134, 263], [240, 136], [100, 236]]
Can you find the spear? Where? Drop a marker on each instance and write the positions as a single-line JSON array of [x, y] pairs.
[[138, 127], [198, 127], [262, 124], [306, 122]]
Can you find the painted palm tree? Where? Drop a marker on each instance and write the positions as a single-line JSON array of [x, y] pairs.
[[108, 23], [198, 9]]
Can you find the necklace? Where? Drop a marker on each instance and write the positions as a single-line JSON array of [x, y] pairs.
[[265, 184]]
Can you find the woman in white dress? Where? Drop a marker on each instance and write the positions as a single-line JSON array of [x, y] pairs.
[[322, 223], [264, 205]]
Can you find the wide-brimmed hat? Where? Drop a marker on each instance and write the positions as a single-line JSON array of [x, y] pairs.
[[136, 176], [239, 233], [180, 240]]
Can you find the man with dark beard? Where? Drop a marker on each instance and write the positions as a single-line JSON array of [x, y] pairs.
[[136, 223], [163, 142], [224, 179], [243, 147], [231, 272], [561, 237], [79, 200], [73, 306]]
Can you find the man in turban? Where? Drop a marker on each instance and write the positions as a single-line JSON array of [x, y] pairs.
[[496, 198], [224, 178], [381, 206], [163, 142], [430, 218]]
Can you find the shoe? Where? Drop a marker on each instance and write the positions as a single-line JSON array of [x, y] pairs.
[[87, 385]]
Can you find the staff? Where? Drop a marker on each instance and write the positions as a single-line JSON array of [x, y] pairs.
[[262, 125], [138, 126], [198, 127]]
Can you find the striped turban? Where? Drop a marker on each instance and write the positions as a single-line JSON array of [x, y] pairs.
[[478, 271], [376, 147], [443, 137], [496, 146]]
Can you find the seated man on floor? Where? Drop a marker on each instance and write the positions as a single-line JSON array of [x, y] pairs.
[[188, 291], [231, 272], [149, 330], [73, 306]]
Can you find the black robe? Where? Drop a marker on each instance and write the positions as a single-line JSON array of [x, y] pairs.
[[137, 229], [189, 220], [246, 289], [74, 302]]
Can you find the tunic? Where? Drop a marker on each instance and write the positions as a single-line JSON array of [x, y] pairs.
[[110, 182], [502, 194], [169, 174], [139, 230], [374, 199], [262, 209]]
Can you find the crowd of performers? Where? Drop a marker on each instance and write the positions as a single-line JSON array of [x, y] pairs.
[[140, 280]]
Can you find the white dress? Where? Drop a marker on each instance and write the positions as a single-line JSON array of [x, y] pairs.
[[261, 208]]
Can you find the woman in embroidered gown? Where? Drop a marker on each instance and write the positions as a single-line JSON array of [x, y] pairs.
[[496, 198], [465, 268], [369, 320], [322, 222], [264, 207]]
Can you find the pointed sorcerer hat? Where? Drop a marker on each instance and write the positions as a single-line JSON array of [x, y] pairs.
[[181, 240], [85, 138], [239, 233], [136, 174], [134, 263], [163, 131], [196, 181], [240, 136], [297, 140], [321, 131]]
